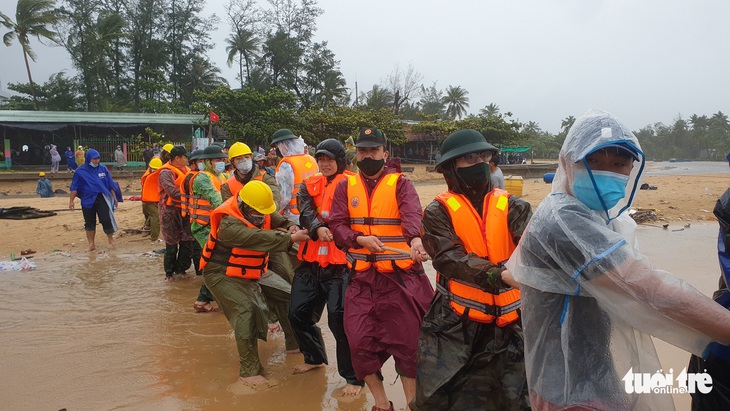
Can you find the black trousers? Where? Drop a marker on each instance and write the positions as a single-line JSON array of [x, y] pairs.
[[179, 257], [314, 288]]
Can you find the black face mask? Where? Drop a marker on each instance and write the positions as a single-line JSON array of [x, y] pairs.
[[475, 177], [370, 167]]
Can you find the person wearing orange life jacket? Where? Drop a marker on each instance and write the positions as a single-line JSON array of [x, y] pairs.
[[243, 233], [240, 156], [293, 168], [150, 198], [207, 194], [388, 293], [179, 241], [322, 277], [188, 200], [470, 350]]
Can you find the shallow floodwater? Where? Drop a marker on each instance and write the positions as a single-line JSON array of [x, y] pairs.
[[105, 331]]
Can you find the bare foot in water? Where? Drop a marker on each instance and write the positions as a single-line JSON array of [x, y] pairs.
[[92, 247], [257, 381], [350, 390], [302, 368]]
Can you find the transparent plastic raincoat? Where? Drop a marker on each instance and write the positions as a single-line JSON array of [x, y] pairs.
[[591, 301]]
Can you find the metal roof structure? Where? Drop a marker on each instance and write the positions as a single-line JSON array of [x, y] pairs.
[[50, 120]]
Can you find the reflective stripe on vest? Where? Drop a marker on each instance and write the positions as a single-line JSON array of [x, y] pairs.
[[239, 262], [187, 199], [492, 240], [303, 166], [150, 188], [234, 186], [322, 192], [201, 209], [180, 175], [379, 216]]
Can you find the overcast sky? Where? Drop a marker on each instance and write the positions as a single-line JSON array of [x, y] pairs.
[[645, 61]]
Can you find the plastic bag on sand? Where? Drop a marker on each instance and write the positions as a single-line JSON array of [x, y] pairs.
[[22, 265]]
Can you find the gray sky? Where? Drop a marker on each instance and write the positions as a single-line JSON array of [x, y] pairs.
[[645, 61]]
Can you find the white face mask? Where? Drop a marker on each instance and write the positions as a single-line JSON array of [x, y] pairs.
[[245, 165], [220, 166], [201, 166]]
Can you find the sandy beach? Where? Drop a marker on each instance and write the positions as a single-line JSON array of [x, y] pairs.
[[102, 330], [678, 198]]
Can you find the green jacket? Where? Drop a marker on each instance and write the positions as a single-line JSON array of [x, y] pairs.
[[203, 187]]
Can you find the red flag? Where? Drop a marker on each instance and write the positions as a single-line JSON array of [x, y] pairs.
[[214, 117]]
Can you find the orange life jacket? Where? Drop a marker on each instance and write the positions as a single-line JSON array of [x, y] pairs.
[[379, 216], [239, 262], [201, 209], [235, 186], [304, 166], [176, 202], [188, 199], [486, 235], [323, 253], [150, 188]]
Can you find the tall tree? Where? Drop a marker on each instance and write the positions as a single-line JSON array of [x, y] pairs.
[[567, 123], [456, 102], [403, 84], [32, 18], [243, 17], [377, 98], [432, 101], [244, 45], [490, 110]]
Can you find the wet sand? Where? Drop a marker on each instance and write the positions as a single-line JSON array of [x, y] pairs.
[[102, 330]]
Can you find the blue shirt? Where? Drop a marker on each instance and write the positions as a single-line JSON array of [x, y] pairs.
[[86, 189]]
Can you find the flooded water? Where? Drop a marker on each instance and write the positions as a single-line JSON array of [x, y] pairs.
[[106, 332], [666, 168]]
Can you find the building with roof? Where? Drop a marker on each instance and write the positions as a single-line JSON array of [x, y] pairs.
[[28, 134]]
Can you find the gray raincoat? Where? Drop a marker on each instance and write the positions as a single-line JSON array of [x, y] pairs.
[[591, 301]]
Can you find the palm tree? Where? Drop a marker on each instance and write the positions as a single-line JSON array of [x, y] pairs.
[[32, 18], [245, 44], [491, 110], [567, 123], [378, 98], [456, 102]]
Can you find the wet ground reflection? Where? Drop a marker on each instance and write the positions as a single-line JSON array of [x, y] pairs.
[[106, 332]]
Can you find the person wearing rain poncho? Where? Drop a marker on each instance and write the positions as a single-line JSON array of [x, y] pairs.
[[55, 159], [296, 165], [93, 184], [469, 356], [590, 300]]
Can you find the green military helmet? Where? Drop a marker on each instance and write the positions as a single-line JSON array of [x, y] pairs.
[[463, 142], [213, 151], [281, 135]]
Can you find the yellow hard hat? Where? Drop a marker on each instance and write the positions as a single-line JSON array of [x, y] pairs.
[[238, 149], [41, 174], [168, 147], [155, 163], [258, 196]]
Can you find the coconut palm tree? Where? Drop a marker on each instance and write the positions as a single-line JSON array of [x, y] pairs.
[[567, 123], [456, 102], [32, 18], [490, 110], [243, 43], [378, 98]]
